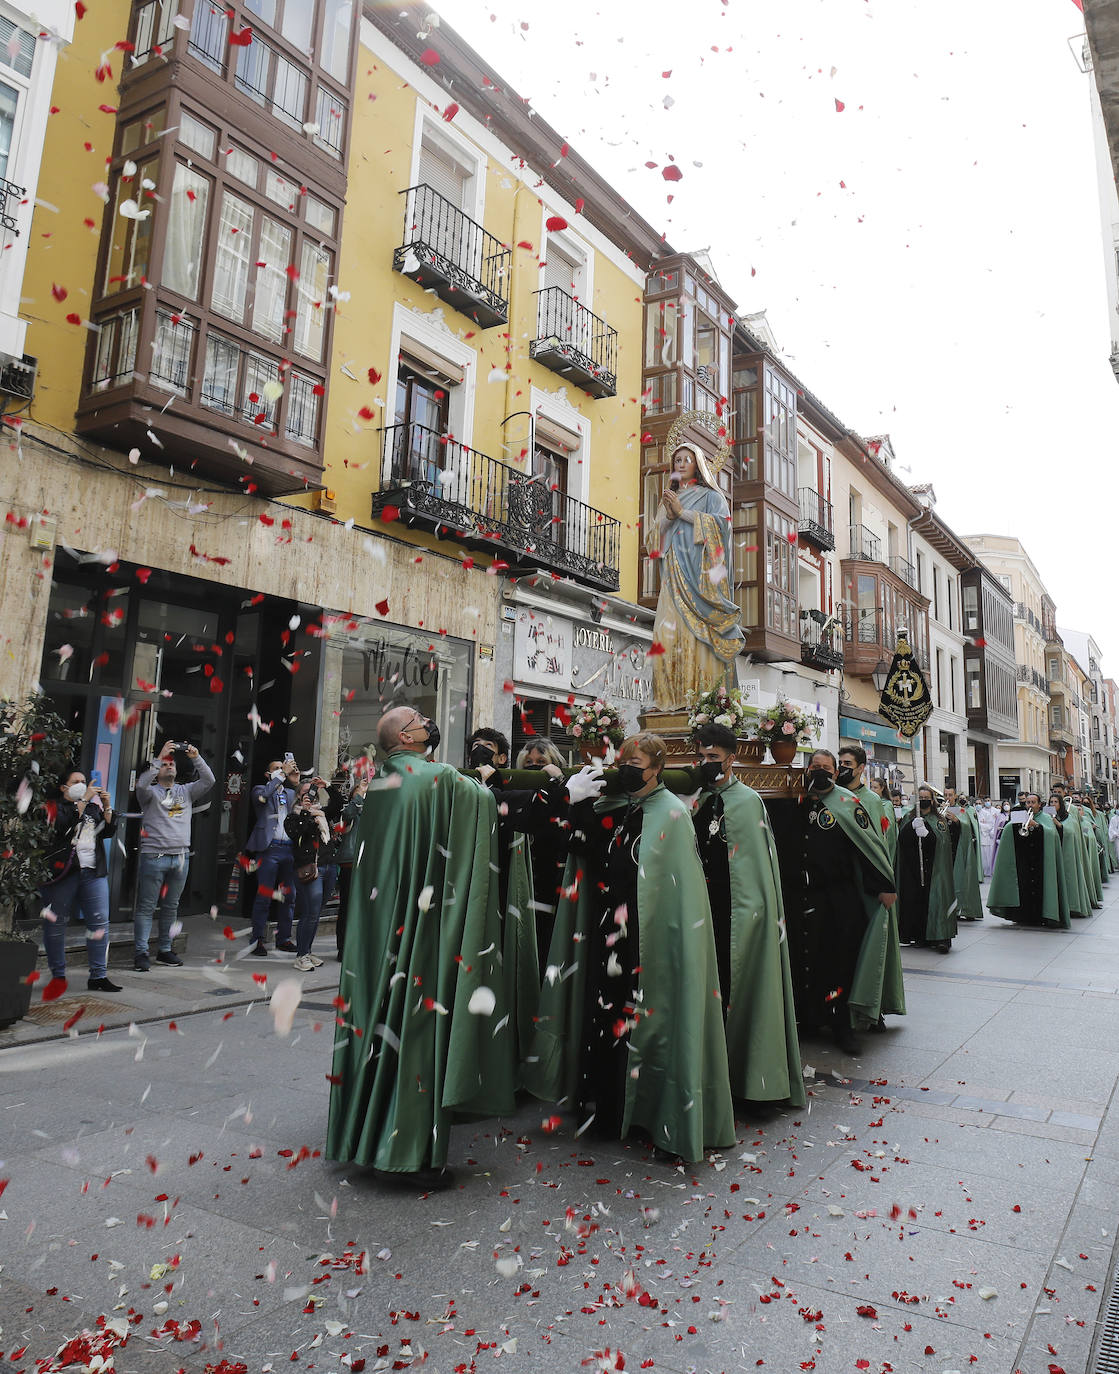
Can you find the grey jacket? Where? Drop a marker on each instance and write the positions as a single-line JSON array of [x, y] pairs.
[[165, 812]]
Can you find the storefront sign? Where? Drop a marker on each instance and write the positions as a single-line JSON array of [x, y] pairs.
[[542, 650], [850, 728]]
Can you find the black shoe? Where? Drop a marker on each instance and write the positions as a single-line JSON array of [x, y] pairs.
[[260, 949], [942, 946], [287, 946], [847, 1040], [102, 985], [422, 1180], [141, 963], [168, 956]]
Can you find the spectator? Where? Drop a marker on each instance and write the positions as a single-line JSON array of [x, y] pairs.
[[309, 833], [79, 877], [539, 752], [273, 802], [166, 808]]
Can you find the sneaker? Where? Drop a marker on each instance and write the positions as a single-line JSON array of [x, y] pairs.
[[315, 960], [102, 985], [141, 963], [168, 956], [304, 963], [286, 945], [260, 949]]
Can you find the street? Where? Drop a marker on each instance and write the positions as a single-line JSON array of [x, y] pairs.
[[945, 1202]]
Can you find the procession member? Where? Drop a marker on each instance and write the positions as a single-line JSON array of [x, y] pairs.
[[548, 847], [989, 816], [967, 863], [927, 899], [1099, 824], [1028, 885], [1071, 856], [630, 1026], [1113, 836], [1092, 878], [424, 1035], [838, 887], [852, 775], [744, 886], [697, 622]]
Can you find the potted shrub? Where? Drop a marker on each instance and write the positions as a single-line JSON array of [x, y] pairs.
[[784, 726], [598, 730], [35, 747], [725, 706]]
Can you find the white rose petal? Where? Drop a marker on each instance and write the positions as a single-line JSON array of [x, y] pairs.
[[482, 1002]]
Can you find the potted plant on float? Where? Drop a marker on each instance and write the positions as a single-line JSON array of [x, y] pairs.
[[598, 730], [725, 706], [784, 726], [35, 747]]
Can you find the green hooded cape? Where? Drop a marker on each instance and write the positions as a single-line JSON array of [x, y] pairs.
[[877, 989], [1091, 855], [1099, 822], [520, 960], [423, 935], [1004, 895], [882, 813], [967, 870], [762, 1045], [1077, 896], [941, 923], [679, 1088]]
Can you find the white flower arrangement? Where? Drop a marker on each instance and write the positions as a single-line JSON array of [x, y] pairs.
[[718, 706], [597, 722]]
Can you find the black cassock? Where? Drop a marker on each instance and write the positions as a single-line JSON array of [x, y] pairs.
[[1029, 863], [711, 839], [916, 856], [824, 877]]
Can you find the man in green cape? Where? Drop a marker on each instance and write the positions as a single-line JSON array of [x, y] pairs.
[[851, 774], [1099, 824], [838, 887], [924, 868], [630, 1025], [744, 886], [1077, 897], [1028, 884], [1083, 820], [425, 1037], [967, 866]]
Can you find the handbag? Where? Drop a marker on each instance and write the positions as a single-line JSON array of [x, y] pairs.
[[307, 873]]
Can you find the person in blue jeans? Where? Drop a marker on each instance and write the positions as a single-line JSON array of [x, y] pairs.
[[78, 880], [313, 843], [166, 808], [273, 802]]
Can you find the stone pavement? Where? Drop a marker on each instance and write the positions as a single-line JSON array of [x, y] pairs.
[[946, 1202]]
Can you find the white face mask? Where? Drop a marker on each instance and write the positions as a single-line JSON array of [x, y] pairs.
[[76, 791]]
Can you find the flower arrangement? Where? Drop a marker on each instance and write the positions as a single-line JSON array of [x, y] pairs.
[[784, 721], [717, 706], [597, 722]]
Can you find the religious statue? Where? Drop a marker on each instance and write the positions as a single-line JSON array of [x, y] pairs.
[[697, 622]]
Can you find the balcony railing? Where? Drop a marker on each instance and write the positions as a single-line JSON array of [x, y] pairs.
[[1030, 677], [821, 640], [10, 197], [446, 252], [443, 485], [1023, 612], [864, 545], [573, 341], [816, 523], [904, 569]]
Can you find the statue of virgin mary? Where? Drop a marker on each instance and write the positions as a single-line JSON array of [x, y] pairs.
[[697, 623]]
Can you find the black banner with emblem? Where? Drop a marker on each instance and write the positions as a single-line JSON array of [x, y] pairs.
[[906, 701]]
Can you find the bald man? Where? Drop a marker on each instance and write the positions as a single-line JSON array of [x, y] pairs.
[[425, 1036]]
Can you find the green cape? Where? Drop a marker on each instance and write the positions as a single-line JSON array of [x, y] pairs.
[[679, 1089], [1099, 823], [423, 934], [882, 813], [762, 1045], [1091, 855], [1077, 896], [967, 869], [943, 905], [1003, 894], [520, 961], [877, 988]]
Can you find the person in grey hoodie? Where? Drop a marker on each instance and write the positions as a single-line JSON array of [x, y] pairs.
[[166, 808]]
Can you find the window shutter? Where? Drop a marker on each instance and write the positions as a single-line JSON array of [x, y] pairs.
[[443, 175]]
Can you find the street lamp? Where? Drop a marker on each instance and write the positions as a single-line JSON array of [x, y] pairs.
[[880, 674]]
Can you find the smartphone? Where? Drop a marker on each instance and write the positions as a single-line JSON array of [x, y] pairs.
[[95, 779], [289, 758]]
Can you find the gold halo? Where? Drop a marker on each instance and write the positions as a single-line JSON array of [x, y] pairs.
[[706, 419]]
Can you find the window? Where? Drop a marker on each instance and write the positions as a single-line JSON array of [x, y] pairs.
[[260, 390], [334, 50], [219, 379], [17, 47], [172, 351], [231, 260], [548, 494], [131, 231], [209, 35], [744, 536], [302, 426], [137, 133], [970, 596], [446, 176], [243, 166], [116, 350], [952, 672], [780, 433], [155, 29], [319, 216], [186, 229], [974, 686], [936, 592], [195, 135], [311, 305], [298, 23], [271, 80], [272, 276], [745, 402], [781, 574], [951, 612], [330, 116], [940, 677], [9, 108]]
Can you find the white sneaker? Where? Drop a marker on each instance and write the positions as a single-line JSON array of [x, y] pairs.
[[315, 960], [304, 963]]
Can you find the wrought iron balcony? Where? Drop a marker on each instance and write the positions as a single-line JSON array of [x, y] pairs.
[[821, 640], [816, 519], [10, 197], [865, 547], [904, 569], [573, 341], [446, 252], [433, 482]]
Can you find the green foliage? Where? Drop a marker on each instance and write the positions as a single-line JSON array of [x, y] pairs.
[[35, 748]]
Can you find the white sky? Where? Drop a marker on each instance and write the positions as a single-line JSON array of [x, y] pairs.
[[951, 293]]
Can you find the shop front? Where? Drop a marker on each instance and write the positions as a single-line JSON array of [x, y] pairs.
[[558, 652], [889, 756]]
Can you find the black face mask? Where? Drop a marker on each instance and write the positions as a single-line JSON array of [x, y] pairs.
[[819, 779], [845, 777], [926, 805], [433, 736], [631, 777], [481, 753], [710, 771]]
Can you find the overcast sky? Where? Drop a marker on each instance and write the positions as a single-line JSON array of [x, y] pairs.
[[930, 256]]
